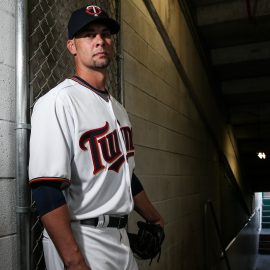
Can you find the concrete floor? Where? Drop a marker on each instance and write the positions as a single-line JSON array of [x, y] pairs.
[[263, 262]]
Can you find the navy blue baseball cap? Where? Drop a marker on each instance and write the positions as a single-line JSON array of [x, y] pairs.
[[85, 15]]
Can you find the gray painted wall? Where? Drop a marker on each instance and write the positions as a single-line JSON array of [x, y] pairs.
[[7, 136]]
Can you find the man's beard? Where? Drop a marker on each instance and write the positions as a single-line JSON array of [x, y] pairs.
[[102, 64]]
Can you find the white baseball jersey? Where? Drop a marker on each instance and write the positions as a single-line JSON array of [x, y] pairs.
[[83, 140]]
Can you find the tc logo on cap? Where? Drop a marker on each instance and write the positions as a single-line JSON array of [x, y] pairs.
[[93, 10]]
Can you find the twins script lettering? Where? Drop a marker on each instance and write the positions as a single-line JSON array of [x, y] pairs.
[[107, 146]]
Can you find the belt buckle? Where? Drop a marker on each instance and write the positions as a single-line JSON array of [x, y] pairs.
[[103, 221]]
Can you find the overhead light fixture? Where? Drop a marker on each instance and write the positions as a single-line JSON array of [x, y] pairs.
[[261, 155]]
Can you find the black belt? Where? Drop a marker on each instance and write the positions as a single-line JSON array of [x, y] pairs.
[[104, 221]]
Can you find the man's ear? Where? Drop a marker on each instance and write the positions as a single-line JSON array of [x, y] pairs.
[[71, 46]]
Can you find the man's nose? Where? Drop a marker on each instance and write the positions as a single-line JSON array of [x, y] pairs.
[[100, 39]]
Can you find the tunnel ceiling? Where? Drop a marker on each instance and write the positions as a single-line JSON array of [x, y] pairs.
[[234, 39]]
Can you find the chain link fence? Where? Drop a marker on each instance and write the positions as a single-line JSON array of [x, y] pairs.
[[50, 63]]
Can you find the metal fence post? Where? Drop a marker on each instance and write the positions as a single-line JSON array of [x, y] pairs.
[[22, 130]]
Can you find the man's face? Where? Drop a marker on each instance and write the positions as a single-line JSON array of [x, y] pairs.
[[92, 47]]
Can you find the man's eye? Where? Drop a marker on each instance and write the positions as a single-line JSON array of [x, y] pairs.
[[89, 35], [106, 34]]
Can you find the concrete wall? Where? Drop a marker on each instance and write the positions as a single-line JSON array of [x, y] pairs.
[[176, 158], [7, 136]]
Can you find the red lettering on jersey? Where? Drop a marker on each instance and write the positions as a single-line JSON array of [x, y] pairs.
[[117, 164], [107, 145], [91, 137], [127, 135], [110, 147]]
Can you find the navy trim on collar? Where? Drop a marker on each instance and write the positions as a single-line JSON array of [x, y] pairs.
[[103, 94]]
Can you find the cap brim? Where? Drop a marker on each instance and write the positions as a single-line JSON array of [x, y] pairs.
[[112, 25]]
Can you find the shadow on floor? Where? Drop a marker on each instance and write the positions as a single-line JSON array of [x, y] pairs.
[[263, 262]]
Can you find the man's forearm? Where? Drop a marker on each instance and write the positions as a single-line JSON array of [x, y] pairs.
[[57, 224], [146, 209]]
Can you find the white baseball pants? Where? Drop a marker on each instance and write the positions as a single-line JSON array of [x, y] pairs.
[[103, 248]]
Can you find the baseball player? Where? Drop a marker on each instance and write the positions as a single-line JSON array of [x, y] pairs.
[[81, 165]]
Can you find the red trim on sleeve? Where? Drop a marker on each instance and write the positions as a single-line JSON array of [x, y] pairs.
[[57, 179]]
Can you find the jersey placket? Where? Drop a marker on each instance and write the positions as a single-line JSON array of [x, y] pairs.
[[123, 148]]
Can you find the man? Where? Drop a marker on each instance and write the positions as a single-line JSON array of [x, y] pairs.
[[82, 158]]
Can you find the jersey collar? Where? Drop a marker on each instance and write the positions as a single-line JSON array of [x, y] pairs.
[[103, 94]]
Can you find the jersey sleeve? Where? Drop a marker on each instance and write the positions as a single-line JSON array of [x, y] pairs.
[[136, 185], [51, 147]]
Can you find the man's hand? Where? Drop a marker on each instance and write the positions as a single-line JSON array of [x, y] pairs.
[[57, 224], [146, 244], [79, 266], [77, 262]]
